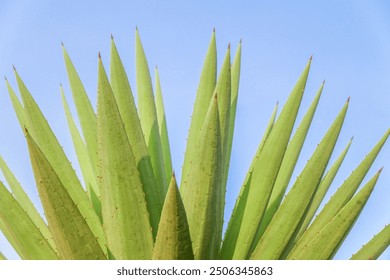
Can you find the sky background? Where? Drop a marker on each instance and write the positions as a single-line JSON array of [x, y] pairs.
[[349, 41]]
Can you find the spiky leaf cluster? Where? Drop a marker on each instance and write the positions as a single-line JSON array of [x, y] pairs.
[[129, 204]]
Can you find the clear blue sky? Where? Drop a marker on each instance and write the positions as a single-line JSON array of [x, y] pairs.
[[349, 41]]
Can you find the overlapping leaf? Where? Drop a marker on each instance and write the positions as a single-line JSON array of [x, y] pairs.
[[173, 241], [125, 215]]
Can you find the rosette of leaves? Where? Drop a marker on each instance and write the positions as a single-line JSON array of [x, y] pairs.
[[129, 204]]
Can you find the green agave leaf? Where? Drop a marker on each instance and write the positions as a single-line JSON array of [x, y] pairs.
[[326, 242], [40, 130], [173, 241], [125, 214], [287, 167], [148, 115], [85, 163], [234, 225], [162, 124], [208, 80], [25, 202], [200, 197], [342, 196], [2, 257], [20, 230], [223, 90], [266, 168], [375, 247], [18, 107], [320, 193], [235, 81], [85, 112], [125, 101], [233, 229], [71, 233], [293, 208]]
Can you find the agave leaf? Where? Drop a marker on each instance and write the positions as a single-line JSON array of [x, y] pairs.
[[25, 202], [223, 90], [21, 231], [234, 225], [326, 242], [85, 163], [2, 257], [375, 247], [162, 124], [148, 115], [85, 112], [291, 211], [266, 168], [235, 81], [71, 233], [40, 130], [18, 107], [173, 241], [320, 193], [342, 196], [204, 95], [200, 197], [125, 101], [125, 214], [230, 239], [287, 167]]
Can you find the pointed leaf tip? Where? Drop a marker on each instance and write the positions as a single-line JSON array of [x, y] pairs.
[[112, 37], [349, 97]]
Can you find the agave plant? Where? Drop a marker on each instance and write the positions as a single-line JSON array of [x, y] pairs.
[[129, 204]]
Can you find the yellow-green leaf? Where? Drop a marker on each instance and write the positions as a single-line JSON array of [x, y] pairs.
[[326, 242], [234, 225], [375, 247], [173, 241], [42, 134], [25, 202], [71, 233], [85, 162], [200, 196], [342, 196], [293, 208], [162, 124], [208, 80], [123, 95], [148, 115], [20, 230], [267, 166], [287, 167], [85, 112], [125, 215]]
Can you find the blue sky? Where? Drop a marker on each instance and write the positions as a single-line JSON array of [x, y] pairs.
[[349, 41]]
